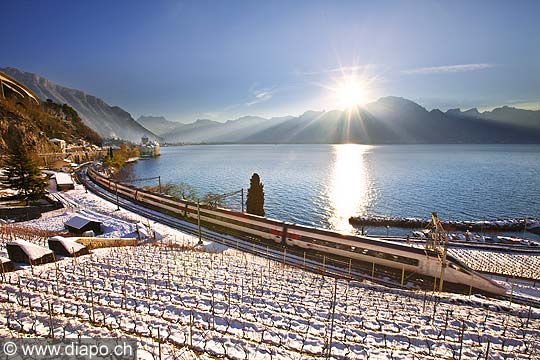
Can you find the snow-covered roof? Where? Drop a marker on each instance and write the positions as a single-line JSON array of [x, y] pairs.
[[78, 222], [69, 244], [63, 179], [212, 247], [4, 260], [33, 251]]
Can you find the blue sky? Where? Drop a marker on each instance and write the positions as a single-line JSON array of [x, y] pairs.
[[224, 59]]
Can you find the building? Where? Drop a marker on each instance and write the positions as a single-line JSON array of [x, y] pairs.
[[79, 224], [60, 143], [6, 265], [67, 247], [64, 182], [26, 252], [148, 149]]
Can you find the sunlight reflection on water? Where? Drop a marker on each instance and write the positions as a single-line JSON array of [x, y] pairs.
[[350, 190], [323, 185]]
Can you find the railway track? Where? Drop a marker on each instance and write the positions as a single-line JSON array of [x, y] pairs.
[[312, 261], [308, 260]]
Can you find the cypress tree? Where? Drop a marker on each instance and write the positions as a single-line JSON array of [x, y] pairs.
[[23, 173], [255, 196]]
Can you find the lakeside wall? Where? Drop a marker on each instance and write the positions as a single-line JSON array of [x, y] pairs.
[[531, 225]]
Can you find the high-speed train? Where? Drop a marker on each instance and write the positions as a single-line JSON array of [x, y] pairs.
[[363, 248]]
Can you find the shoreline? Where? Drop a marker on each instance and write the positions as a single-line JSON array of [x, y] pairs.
[[498, 225]]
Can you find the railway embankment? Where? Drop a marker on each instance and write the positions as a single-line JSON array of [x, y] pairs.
[[532, 225]]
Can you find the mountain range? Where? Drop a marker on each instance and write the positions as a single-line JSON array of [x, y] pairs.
[[108, 121], [389, 120], [158, 124]]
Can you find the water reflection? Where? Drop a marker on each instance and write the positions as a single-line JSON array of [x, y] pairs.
[[350, 187]]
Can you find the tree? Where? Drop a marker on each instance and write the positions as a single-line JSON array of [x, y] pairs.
[[255, 196], [181, 191], [23, 174], [213, 200]]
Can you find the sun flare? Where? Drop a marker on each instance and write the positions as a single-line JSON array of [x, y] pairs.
[[350, 93]]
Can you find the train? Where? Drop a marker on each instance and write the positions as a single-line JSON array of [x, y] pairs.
[[362, 248]]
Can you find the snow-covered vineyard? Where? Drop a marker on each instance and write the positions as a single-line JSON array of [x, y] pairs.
[[186, 303], [521, 265], [243, 307]]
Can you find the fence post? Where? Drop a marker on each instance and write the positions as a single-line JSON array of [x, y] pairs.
[[332, 322], [159, 343], [190, 328], [242, 200], [461, 338], [51, 328]]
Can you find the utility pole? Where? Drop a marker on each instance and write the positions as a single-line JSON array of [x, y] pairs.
[[438, 242], [242, 199], [159, 182], [199, 220], [443, 263], [117, 202]]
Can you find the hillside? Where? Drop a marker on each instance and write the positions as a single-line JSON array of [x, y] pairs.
[[389, 120], [23, 121], [108, 121]]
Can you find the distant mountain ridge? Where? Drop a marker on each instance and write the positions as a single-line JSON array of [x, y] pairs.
[[389, 120], [158, 124], [108, 121]]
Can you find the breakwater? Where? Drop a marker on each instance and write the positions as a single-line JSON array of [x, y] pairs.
[[532, 225]]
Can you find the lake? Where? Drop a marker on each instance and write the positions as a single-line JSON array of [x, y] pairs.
[[323, 185]]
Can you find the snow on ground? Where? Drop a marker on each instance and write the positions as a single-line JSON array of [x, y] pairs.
[[238, 306], [121, 223], [506, 263], [197, 304]]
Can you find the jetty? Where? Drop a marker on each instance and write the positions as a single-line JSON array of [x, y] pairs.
[[531, 225]]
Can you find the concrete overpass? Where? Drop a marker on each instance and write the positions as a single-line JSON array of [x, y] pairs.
[[10, 87]]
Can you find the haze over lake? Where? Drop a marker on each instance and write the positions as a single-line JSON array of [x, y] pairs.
[[323, 185]]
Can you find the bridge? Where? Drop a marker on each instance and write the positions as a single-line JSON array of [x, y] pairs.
[[10, 87]]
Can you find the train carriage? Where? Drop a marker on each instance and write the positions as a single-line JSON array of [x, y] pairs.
[[360, 248]]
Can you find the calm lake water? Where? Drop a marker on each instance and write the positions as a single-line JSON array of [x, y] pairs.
[[323, 185]]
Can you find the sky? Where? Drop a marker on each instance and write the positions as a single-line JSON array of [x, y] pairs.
[[221, 60]]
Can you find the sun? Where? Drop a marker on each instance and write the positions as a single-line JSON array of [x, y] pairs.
[[350, 92], [350, 87]]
